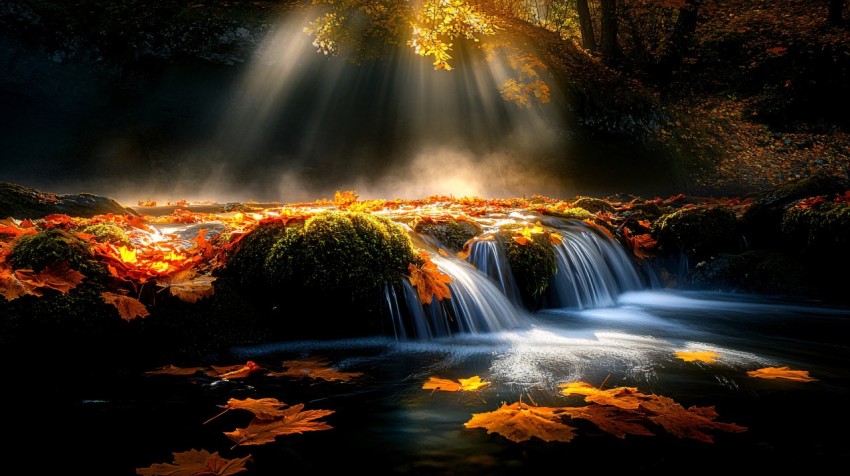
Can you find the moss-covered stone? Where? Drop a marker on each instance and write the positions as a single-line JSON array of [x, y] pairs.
[[452, 233], [337, 263], [575, 213], [697, 232], [762, 222], [246, 265], [108, 233], [532, 264], [42, 249], [593, 205]]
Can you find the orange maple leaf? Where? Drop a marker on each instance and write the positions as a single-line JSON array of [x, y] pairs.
[[129, 308], [685, 423], [782, 373], [262, 408], [11, 287], [197, 463], [57, 276], [234, 371], [612, 420], [707, 356], [429, 281], [520, 422], [293, 420], [464, 384], [315, 368]]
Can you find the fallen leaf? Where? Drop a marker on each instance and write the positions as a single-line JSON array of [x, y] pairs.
[[57, 276], [782, 373], [429, 281], [707, 356], [262, 408], [465, 384], [681, 423], [12, 288], [620, 397], [520, 422], [188, 288], [315, 368], [128, 308], [293, 421], [234, 371], [612, 420], [197, 463]]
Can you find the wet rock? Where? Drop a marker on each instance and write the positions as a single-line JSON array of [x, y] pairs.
[[698, 233], [17, 201]]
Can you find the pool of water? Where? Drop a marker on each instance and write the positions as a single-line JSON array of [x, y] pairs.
[[385, 423]]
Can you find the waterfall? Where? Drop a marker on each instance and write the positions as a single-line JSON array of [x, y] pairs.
[[477, 306], [592, 270], [489, 257]]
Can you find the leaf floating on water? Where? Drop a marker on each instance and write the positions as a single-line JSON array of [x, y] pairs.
[[262, 408], [128, 308], [174, 370], [612, 420], [620, 397], [520, 422], [197, 463], [470, 384], [234, 371], [315, 368], [293, 420], [782, 373], [707, 356], [686, 423]]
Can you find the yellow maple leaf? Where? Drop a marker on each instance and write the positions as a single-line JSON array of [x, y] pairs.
[[470, 384], [782, 373], [707, 356], [429, 281]]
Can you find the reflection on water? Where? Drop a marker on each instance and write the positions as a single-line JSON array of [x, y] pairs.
[[385, 423]]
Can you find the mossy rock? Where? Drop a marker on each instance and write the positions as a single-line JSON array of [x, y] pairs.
[[338, 263], [821, 231], [762, 222], [42, 249], [246, 265], [108, 233], [593, 205], [575, 213], [697, 232], [452, 233], [532, 264], [757, 271]]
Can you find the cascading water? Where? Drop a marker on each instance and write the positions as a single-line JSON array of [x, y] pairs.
[[592, 271]]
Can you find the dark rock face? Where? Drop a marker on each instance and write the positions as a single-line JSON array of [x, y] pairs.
[[21, 202]]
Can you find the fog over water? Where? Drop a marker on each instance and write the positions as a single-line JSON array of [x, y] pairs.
[[293, 125]]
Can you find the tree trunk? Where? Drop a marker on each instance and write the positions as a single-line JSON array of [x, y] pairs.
[[608, 9], [836, 10], [585, 23], [680, 39]]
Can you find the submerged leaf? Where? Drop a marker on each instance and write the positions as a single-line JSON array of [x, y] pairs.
[[612, 420], [187, 287]]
